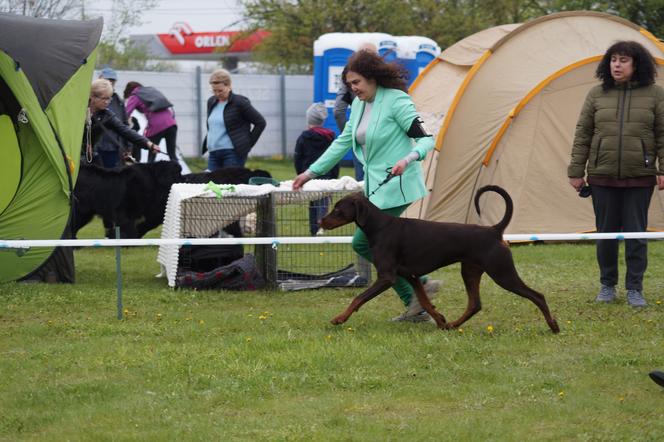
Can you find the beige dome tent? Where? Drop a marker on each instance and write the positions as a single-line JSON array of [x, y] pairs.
[[512, 119], [435, 88]]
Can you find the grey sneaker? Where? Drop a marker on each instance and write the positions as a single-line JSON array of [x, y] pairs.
[[421, 316], [606, 294], [431, 288], [635, 298], [414, 312]]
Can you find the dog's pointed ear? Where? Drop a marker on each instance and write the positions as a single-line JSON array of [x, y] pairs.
[[361, 210]]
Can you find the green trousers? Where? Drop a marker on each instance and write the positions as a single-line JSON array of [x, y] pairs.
[[361, 246]]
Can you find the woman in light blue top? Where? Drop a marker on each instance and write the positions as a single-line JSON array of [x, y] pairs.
[[234, 125], [387, 136]]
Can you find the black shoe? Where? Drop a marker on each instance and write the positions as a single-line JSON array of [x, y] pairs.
[[658, 377]]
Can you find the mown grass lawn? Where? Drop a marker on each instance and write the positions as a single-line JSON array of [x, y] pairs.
[[187, 365]]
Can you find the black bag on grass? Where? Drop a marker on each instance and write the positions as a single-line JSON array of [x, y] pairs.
[[206, 258], [239, 275]]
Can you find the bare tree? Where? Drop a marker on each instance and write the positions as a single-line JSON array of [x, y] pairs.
[[43, 8], [125, 14]]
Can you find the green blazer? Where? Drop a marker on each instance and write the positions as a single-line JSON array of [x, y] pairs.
[[392, 114]]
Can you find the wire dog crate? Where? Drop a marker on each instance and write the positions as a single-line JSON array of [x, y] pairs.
[[284, 266]]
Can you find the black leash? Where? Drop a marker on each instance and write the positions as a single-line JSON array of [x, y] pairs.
[[387, 178]]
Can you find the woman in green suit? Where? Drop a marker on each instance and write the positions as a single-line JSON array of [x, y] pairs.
[[387, 136]]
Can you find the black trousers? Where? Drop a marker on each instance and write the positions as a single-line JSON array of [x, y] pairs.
[[170, 135], [622, 209]]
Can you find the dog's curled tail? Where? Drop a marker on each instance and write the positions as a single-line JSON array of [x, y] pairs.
[[509, 207]]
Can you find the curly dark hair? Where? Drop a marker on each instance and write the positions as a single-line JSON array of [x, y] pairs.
[[130, 88], [644, 64], [371, 66]]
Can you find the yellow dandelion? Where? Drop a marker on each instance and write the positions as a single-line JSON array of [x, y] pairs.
[[561, 394], [350, 329], [621, 399], [489, 328], [569, 322], [262, 317], [158, 316], [201, 322], [658, 302], [188, 318], [328, 337], [126, 311], [248, 339], [460, 330]]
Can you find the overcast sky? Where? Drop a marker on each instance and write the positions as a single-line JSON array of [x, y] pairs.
[[202, 15]]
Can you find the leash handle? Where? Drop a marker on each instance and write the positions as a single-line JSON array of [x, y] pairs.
[[89, 154], [389, 176]]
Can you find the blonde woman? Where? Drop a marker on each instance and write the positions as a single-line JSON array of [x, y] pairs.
[[233, 124], [101, 120]]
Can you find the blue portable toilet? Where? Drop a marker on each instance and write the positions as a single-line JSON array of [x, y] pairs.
[[415, 53], [426, 53], [388, 48]]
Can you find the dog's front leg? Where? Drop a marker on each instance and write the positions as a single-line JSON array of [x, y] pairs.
[[376, 288]]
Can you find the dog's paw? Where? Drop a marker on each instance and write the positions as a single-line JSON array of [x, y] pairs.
[[338, 320], [441, 325], [554, 326]]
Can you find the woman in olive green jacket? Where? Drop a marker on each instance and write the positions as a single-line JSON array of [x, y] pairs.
[[619, 143], [387, 136]]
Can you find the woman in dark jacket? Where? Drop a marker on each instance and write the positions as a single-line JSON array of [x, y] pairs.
[[233, 124], [103, 121], [619, 142]]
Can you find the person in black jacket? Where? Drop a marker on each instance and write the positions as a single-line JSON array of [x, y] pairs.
[[101, 121], [111, 147], [233, 124], [309, 146]]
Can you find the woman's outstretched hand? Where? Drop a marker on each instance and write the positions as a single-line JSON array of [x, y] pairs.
[[300, 180]]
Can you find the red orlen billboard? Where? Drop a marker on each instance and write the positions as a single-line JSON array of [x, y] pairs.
[[182, 40]]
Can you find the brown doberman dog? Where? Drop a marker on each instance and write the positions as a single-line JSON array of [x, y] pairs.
[[411, 248]]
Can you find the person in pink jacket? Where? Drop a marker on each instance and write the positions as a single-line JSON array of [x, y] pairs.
[[159, 113]]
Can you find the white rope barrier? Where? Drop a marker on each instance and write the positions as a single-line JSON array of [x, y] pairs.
[[276, 241]]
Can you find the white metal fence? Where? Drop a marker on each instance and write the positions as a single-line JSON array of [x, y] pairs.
[[282, 100]]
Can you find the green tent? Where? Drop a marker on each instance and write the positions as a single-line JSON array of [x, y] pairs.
[[46, 67]]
